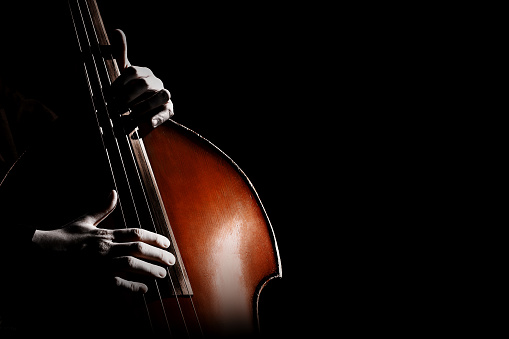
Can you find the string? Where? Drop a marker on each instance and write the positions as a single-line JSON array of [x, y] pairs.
[[109, 115], [96, 112], [124, 170], [144, 158], [151, 216], [120, 206], [132, 158], [171, 280], [116, 143], [149, 211]]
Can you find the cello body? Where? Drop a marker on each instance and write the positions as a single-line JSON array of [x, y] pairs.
[[224, 236]]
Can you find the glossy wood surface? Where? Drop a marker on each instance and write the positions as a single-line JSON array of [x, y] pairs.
[[223, 234]]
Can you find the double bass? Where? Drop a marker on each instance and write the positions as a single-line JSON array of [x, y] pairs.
[[174, 182]]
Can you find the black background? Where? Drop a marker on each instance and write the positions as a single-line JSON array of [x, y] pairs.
[[244, 76], [332, 113]]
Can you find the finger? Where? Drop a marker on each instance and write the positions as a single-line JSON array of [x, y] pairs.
[[138, 89], [156, 118], [165, 112], [157, 100], [119, 43], [95, 217], [135, 265], [161, 117], [139, 234], [143, 251], [131, 285], [129, 74]]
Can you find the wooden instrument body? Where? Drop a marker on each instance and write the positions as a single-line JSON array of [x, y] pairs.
[[224, 236]]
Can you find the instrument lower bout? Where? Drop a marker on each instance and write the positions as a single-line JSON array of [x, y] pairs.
[[224, 236]]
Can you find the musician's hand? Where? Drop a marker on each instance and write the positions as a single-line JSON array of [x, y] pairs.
[[140, 91], [121, 250]]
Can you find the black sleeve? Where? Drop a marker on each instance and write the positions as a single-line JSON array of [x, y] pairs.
[[22, 122]]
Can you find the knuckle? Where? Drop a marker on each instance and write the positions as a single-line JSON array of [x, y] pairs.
[[130, 261], [160, 255], [136, 287], [165, 94], [101, 232], [104, 247], [132, 286], [139, 247], [99, 246], [159, 83], [144, 71], [118, 282], [128, 285], [137, 233], [131, 70], [142, 84]]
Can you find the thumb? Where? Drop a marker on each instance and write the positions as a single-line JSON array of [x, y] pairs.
[[119, 43], [98, 215]]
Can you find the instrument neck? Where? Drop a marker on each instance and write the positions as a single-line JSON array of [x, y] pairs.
[[140, 203], [101, 69], [105, 48]]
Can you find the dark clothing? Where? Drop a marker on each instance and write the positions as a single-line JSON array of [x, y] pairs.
[[55, 179], [21, 122]]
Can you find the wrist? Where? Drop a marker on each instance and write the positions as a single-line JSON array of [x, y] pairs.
[[47, 240], [40, 238]]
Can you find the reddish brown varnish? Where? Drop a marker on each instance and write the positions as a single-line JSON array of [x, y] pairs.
[[223, 234]]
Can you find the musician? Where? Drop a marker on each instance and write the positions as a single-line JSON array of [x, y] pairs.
[[79, 252], [67, 269]]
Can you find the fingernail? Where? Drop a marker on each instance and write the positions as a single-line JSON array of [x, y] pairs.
[[172, 259], [156, 122], [162, 273]]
